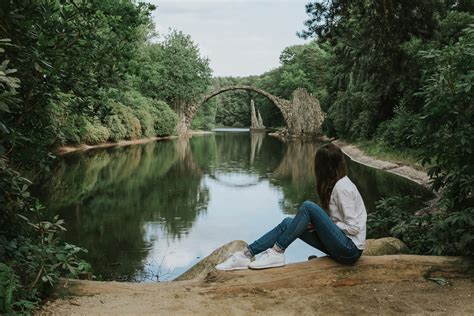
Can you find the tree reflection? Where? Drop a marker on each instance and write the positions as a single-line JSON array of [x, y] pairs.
[[295, 175], [106, 196]]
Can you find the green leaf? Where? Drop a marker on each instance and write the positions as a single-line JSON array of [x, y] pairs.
[[439, 280]]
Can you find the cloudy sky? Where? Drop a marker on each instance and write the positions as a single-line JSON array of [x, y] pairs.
[[240, 37]]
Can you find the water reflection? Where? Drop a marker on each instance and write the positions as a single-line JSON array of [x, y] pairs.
[[148, 212]]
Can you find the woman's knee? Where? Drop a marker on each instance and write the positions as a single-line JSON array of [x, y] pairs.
[[309, 206], [313, 211], [286, 222]]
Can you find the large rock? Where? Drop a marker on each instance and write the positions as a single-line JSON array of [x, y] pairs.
[[374, 247], [206, 265], [385, 246]]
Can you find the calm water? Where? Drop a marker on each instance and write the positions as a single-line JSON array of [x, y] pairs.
[[149, 212]]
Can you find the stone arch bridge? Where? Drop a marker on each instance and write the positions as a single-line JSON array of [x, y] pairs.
[[302, 114]]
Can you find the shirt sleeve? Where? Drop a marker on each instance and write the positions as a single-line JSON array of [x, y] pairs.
[[350, 223]]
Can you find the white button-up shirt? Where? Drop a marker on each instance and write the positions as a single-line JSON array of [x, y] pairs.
[[347, 211]]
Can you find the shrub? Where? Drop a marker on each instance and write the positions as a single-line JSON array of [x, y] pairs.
[[62, 126], [92, 133], [155, 116], [398, 132], [116, 127], [141, 109], [435, 232], [362, 126], [9, 285], [32, 256], [446, 136], [165, 118], [122, 123], [147, 122], [395, 217]]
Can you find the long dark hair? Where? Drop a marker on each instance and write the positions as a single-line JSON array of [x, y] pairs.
[[329, 167]]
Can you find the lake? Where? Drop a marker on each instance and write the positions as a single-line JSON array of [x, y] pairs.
[[149, 212]]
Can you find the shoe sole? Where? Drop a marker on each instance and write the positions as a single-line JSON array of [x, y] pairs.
[[276, 265], [232, 269]]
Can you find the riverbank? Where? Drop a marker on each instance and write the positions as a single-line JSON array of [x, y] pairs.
[[84, 147], [402, 167], [389, 285], [399, 168]]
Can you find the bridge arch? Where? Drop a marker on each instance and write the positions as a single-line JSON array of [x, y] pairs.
[[281, 104]]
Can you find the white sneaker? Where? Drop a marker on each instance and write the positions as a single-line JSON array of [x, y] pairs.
[[237, 261], [268, 259]]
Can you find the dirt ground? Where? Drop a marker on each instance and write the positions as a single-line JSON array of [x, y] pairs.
[[378, 285]]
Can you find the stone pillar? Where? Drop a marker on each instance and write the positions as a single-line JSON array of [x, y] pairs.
[[181, 127], [256, 120], [260, 120]]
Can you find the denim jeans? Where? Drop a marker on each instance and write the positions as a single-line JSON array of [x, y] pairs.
[[326, 236]]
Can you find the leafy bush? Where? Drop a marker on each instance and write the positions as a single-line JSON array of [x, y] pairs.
[[351, 114], [122, 123], [395, 217], [446, 131], [362, 127], [9, 285], [59, 122], [32, 256], [399, 131], [432, 232], [147, 122], [117, 130], [156, 117], [165, 118], [92, 133]]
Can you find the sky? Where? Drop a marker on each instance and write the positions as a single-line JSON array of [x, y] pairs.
[[240, 37]]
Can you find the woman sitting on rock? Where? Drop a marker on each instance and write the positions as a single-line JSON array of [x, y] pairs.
[[337, 227]]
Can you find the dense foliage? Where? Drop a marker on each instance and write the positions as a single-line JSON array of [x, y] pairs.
[[172, 71], [75, 72], [400, 73]]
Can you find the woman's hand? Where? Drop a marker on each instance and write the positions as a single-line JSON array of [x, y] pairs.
[[310, 227]]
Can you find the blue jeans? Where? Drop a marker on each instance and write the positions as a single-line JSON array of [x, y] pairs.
[[326, 236]]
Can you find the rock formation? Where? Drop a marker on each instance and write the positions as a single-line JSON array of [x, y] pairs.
[[256, 119], [203, 267]]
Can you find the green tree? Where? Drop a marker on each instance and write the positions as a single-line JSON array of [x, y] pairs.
[[180, 74], [373, 73], [445, 130]]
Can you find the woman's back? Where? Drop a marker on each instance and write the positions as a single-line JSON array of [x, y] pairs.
[[347, 210]]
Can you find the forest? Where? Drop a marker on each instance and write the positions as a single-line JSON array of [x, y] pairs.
[[392, 76]]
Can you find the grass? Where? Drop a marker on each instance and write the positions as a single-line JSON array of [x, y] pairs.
[[408, 157]]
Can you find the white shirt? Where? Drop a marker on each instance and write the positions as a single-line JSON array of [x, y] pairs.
[[347, 211]]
